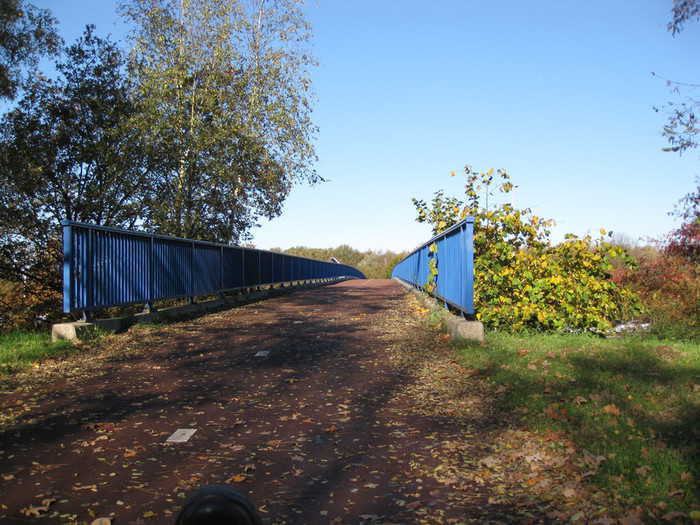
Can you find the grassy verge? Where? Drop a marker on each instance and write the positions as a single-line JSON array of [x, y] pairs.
[[19, 350], [633, 403]]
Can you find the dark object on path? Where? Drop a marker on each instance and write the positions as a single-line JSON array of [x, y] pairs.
[[218, 505]]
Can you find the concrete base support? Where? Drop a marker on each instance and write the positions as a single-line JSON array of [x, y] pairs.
[[457, 327], [70, 331], [85, 330], [463, 329]]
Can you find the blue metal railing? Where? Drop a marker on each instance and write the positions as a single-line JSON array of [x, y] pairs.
[[454, 283], [105, 267]]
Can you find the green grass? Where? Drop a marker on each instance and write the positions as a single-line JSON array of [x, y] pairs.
[[633, 401], [20, 350]]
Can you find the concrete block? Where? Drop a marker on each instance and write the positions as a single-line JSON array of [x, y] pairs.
[[115, 324], [469, 330], [72, 331], [462, 329], [81, 330]]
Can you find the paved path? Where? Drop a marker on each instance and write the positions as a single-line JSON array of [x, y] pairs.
[[334, 426]]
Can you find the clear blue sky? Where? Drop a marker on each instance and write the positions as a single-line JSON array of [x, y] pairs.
[[560, 93]]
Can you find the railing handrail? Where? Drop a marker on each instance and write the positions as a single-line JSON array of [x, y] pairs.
[[440, 235], [137, 233]]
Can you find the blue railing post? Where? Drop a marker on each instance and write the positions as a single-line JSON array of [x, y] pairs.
[[89, 271], [191, 290], [221, 268], [469, 251], [68, 257], [243, 269], [148, 307]]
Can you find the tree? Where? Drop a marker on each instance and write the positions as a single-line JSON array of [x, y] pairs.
[[66, 154], [224, 91], [681, 130], [683, 10], [685, 240], [682, 127], [26, 33], [375, 265]]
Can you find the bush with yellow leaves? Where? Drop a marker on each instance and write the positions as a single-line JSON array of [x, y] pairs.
[[521, 280]]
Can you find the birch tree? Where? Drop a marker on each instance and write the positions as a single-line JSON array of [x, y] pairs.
[[225, 99]]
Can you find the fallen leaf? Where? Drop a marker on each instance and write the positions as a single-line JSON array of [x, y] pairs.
[[579, 400], [612, 410], [149, 514], [236, 478], [33, 511], [102, 521], [672, 516], [643, 470], [85, 487], [554, 412], [569, 493], [36, 511]]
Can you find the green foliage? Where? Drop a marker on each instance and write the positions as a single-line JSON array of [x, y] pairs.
[[65, 153], [521, 281], [442, 213], [630, 402], [223, 89], [374, 264], [26, 33]]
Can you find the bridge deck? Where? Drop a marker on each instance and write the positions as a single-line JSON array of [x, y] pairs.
[[338, 424]]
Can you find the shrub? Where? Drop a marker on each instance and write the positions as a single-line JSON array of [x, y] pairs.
[[669, 287], [521, 280]]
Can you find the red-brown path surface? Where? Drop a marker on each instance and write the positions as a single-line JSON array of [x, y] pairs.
[[332, 427]]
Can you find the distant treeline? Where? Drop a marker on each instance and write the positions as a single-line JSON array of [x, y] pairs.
[[375, 265]]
